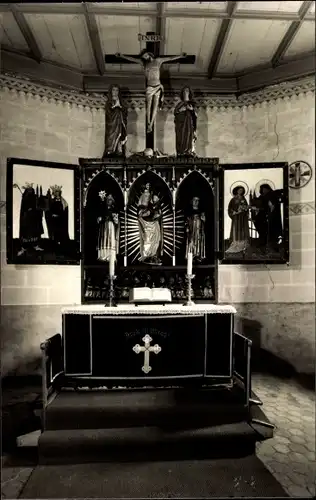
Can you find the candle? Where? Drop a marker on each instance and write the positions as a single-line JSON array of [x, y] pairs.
[[112, 263], [190, 263], [125, 198], [174, 197]]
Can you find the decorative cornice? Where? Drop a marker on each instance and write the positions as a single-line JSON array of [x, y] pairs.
[[134, 101]]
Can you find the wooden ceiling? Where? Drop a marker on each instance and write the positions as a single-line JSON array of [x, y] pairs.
[[239, 46]]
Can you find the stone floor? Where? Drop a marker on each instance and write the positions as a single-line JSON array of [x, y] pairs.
[[290, 455]]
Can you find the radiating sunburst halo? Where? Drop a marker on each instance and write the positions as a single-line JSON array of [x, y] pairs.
[[132, 230]]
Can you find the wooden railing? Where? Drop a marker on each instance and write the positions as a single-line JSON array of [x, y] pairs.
[[52, 367]]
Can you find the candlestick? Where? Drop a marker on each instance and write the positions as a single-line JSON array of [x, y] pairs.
[[190, 263], [111, 302], [188, 279], [112, 263]]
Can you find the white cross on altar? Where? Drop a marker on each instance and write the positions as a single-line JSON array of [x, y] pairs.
[[146, 349]]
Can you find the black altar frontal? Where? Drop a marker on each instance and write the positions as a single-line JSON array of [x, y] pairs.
[[149, 343]]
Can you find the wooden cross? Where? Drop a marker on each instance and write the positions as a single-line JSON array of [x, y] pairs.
[[152, 46], [147, 349]]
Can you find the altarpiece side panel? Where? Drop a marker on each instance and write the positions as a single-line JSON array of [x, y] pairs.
[[254, 213], [43, 212], [148, 214]]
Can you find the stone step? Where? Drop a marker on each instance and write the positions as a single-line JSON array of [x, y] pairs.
[[145, 443], [169, 408]]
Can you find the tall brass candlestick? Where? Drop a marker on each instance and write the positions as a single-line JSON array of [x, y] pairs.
[[188, 279], [111, 302]]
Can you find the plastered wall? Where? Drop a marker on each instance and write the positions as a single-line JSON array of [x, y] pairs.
[[35, 128], [281, 130]]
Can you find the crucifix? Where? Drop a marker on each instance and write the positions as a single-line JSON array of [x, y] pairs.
[[147, 349], [151, 61]]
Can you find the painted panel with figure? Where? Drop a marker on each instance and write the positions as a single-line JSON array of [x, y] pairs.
[[43, 213], [255, 213]]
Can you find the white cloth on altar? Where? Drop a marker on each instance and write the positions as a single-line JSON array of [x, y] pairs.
[[125, 309]]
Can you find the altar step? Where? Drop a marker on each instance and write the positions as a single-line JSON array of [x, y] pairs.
[[145, 444], [163, 408]]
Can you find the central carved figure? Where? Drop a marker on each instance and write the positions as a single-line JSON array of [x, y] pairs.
[[149, 215], [154, 87]]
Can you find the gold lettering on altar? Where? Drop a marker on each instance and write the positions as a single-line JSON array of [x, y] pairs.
[[147, 349]]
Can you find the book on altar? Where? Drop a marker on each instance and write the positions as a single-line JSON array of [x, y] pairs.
[[144, 295]]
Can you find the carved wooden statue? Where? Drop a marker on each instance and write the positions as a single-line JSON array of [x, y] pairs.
[[185, 119], [115, 123], [154, 87], [195, 228], [108, 228], [150, 226]]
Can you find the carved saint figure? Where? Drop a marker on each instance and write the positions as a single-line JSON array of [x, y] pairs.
[[207, 292], [31, 225], [108, 228], [185, 118], [150, 226], [154, 88], [238, 212], [195, 229], [115, 123], [266, 215], [57, 217]]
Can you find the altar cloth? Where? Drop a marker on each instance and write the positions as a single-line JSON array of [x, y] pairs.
[[125, 309]]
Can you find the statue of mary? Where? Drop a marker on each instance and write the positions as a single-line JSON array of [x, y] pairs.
[[150, 226]]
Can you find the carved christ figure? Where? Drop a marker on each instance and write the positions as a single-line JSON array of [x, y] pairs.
[[154, 88]]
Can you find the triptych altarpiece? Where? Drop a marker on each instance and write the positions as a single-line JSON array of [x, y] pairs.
[[159, 208]]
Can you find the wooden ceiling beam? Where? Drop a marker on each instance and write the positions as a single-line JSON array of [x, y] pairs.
[[221, 40], [197, 82], [94, 39], [45, 73], [27, 33], [291, 70], [76, 8], [241, 14], [265, 15], [290, 34], [67, 77]]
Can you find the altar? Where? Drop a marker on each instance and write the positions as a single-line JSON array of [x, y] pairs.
[[149, 344]]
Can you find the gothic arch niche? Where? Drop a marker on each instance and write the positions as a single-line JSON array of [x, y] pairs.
[[103, 181], [196, 185], [159, 189]]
